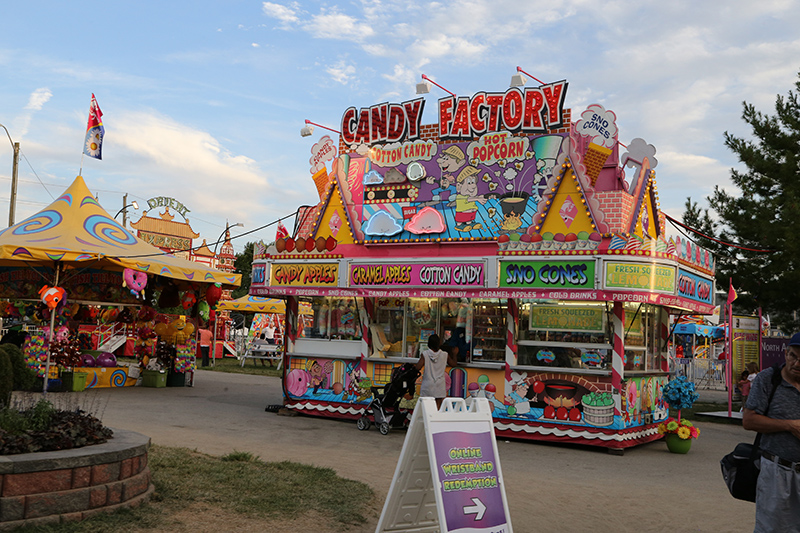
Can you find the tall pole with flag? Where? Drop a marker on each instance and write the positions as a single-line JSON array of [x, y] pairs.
[[93, 144], [729, 361]]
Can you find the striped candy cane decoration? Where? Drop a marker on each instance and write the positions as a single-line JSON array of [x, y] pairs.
[[511, 322], [366, 314], [618, 356], [291, 323], [662, 342]]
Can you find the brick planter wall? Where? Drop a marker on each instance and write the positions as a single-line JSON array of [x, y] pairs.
[[71, 485]]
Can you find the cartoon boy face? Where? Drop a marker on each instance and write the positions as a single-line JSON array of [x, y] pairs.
[[468, 187], [449, 164]]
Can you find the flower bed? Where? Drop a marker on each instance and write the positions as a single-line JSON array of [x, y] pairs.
[[71, 485]]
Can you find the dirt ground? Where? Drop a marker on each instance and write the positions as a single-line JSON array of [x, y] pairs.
[[550, 488]]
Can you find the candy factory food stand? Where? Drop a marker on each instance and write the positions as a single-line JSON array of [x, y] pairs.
[[517, 235]]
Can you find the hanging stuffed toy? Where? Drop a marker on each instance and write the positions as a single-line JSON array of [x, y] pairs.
[[203, 310], [188, 300], [135, 281], [52, 296]]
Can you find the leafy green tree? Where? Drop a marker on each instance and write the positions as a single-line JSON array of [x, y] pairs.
[[243, 264], [765, 214]]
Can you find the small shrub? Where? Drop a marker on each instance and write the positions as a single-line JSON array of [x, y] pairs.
[[25, 378], [6, 379], [43, 428], [244, 457]]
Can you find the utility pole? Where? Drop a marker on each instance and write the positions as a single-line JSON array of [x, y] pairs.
[[125, 211], [13, 201]]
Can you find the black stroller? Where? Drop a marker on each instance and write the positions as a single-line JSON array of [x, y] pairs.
[[385, 404]]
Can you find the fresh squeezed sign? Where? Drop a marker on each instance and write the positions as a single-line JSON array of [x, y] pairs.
[[694, 287], [640, 277], [563, 318], [547, 274], [417, 275]]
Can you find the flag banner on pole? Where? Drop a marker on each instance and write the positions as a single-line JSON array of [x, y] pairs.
[[93, 145], [282, 232], [732, 294]]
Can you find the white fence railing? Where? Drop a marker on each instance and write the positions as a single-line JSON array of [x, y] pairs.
[[705, 373]]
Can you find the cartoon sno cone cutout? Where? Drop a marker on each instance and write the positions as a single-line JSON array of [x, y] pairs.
[[601, 126]]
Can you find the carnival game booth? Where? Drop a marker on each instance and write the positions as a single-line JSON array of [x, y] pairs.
[[520, 237], [268, 312], [74, 251]]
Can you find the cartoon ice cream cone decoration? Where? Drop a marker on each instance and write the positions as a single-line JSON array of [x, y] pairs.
[[594, 160], [601, 126]]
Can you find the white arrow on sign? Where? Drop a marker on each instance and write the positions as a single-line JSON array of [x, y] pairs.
[[478, 509]]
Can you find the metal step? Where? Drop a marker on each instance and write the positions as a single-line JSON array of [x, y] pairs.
[[113, 343]]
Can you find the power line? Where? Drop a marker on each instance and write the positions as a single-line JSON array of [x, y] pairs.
[[723, 243]]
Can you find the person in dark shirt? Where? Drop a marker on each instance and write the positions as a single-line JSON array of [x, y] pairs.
[[778, 489]]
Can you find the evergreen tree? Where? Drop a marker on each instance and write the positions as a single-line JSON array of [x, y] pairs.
[[765, 215]]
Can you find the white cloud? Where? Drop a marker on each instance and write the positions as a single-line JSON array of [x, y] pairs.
[[341, 72], [38, 98], [255, 45], [335, 25], [286, 14], [176, 159]]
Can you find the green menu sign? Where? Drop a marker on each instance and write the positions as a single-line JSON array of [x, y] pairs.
[[547, 274]]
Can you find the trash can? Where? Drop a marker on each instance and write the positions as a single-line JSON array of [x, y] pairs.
[[154, 378], [74, 381], [176, 379]]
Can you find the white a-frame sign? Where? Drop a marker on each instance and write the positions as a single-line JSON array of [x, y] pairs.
[[448, 477]]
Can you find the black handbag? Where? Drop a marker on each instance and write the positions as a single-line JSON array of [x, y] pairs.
[[740, 468]]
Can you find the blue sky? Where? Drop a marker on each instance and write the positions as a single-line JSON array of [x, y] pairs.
[[203, 101]]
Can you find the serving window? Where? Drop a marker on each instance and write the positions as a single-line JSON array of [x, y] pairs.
[[564, 335], [644, 348], [333, 319]]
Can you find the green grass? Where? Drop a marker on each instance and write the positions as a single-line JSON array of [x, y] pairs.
[[232, 365], [251, 366], [239, 483]]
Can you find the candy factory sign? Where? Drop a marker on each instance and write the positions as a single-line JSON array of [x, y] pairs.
[[417, 275], [527, 110]]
